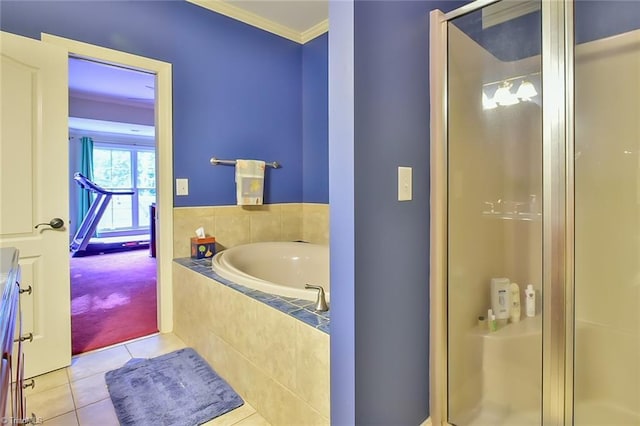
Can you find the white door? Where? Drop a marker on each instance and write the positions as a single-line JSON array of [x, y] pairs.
[[34, 189]]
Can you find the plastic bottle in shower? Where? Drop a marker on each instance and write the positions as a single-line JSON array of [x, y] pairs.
[[530, 301], [491, 321], [500, 298], [515, 302]]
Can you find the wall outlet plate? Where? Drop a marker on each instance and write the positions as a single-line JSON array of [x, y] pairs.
[[405, 190], [182, 186]]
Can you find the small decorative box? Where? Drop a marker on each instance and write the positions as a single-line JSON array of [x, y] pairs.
[[203, 247]]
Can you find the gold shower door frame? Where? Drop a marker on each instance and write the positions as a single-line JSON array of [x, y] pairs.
[[558, 211]]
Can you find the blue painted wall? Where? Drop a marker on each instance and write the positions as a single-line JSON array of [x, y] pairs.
[[522, 37], [379, 120], [342, 212], [514, 39], [604, 18], [315, 126], [237, 90]]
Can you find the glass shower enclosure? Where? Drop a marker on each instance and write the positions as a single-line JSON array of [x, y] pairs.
[[535, 257]]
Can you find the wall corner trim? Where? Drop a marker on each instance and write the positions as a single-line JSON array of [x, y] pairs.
[[427, 422], [234, 12], [315, 31]]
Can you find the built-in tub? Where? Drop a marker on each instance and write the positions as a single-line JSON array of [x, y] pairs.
[[281, 268], [273, 350]]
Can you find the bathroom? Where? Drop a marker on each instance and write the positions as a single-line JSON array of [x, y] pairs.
[[378, 121]]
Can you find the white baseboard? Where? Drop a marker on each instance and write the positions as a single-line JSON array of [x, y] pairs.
[[426, 422]]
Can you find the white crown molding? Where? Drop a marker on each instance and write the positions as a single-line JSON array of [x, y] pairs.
[[97, 126], [315, 31], [108, 137], [90, 96], [257, 21]]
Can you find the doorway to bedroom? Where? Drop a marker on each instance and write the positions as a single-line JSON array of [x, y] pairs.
[[112, 195]]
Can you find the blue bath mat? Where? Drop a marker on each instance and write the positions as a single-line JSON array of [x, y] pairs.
[[175, 389]]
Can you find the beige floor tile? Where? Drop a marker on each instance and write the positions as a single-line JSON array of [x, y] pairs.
[[48, 381], [253, 420], [99, 413], [155, 345], [69, 419], [233, 416], [51, 403], [89, 390], [86, 365], [54, 397]]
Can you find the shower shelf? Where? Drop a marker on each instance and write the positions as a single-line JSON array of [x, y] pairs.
[[526, 327], [513, 216]]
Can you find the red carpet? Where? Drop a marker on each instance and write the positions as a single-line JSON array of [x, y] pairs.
[[113, 299]]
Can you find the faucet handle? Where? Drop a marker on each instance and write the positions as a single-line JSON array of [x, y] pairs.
[[321, 302]]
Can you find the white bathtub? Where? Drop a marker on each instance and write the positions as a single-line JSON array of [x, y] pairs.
[[281, 268]]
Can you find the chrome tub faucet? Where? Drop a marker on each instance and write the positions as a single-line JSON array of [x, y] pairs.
[[321, 302]]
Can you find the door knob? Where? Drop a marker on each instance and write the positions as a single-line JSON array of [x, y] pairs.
[[28, 337], [55, 223], [27, 290]]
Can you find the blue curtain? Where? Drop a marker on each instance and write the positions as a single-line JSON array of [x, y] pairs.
[[86, 168]]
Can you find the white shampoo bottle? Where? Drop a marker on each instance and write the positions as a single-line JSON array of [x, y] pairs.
[[514, 289], [530, 300]]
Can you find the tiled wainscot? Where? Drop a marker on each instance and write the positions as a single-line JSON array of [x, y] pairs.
[[272, 350], [235, 225]]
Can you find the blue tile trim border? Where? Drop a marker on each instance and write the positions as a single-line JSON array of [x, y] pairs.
[[297, 308]]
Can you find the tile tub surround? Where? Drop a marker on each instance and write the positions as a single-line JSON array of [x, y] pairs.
[[234, 225], [315, 223], [279, 364], [298, 308]]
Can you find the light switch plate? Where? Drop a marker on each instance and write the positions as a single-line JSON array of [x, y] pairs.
[[182, 186], [404, 184]]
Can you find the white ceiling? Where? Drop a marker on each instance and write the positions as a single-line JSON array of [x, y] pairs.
[[96, 80], [297, 20], [298, 15]]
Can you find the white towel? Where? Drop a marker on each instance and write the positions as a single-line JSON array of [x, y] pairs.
[[249, 182]]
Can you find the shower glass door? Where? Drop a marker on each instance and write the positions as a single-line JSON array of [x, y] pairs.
[[494, 216], [607, 213]]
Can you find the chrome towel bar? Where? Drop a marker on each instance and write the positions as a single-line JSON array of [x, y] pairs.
[[216, 161]]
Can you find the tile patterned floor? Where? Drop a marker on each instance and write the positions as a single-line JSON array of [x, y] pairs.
[[78, 396]]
